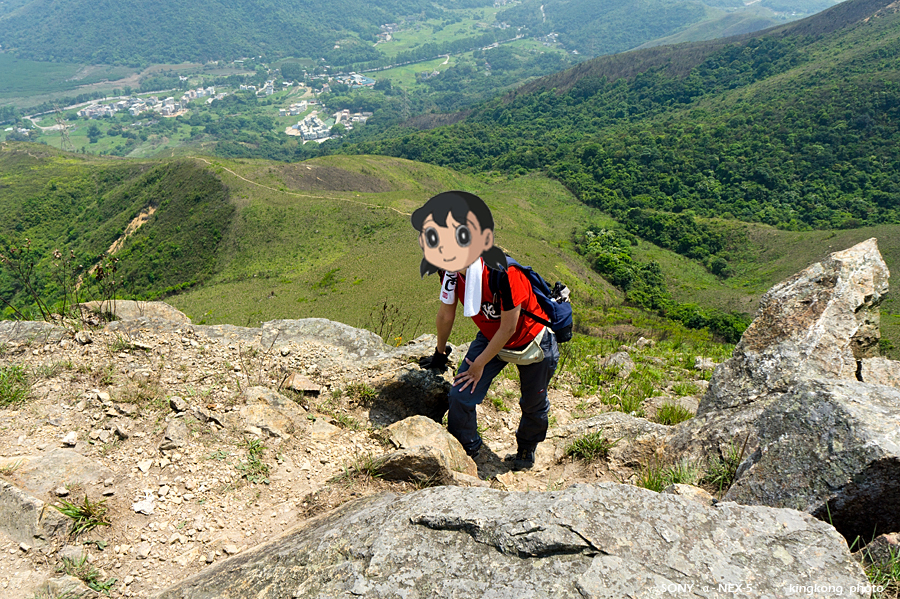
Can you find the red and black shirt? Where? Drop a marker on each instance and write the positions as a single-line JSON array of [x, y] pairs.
[[514, 290]]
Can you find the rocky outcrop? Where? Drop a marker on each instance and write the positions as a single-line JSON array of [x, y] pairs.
[[130, 310], [820, 323], [603, 540], [266, 413], [426, 453], [830, 448], [27, 519], [808, 403]]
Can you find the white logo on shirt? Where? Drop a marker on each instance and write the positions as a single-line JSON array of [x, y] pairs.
[[490, 311]]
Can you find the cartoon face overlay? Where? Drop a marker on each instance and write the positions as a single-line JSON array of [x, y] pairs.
[[455, 246]]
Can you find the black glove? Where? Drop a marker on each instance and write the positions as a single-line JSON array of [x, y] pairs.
[[438, 361]]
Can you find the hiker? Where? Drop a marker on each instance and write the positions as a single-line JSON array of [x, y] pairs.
[[456, 232]]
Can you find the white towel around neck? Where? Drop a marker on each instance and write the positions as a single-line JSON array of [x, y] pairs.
[[472, 301]]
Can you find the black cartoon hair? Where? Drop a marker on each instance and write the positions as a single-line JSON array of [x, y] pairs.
[[459, 204]]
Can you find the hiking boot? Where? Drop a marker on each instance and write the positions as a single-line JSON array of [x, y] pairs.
[[523, 460], [475, 452]]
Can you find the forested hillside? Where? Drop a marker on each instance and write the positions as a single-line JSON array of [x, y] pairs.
[[796, 127], [81, 206], [597, 28], [344, 32], [166, 31]]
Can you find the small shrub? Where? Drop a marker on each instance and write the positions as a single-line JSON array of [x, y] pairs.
[[671, 414], [14, 385], [85, 517], [590, 447], [362, 393], [84, 571], [254, 470], [392, 324]]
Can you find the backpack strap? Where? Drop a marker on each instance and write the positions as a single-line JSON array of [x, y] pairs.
[[494, 286]]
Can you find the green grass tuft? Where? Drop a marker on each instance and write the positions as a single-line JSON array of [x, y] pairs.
[[590, 447], [363, 466], [671, 414], [254, 470], [657, 477], [721, 470], [14, 386], [85, 572], [886, 577], [86, 516]]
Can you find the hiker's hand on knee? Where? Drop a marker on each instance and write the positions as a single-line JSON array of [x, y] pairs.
[[469, 377]]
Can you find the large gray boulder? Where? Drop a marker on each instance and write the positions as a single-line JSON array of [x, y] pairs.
[[808, 402], [820, 323], [588, 541], [830, 448]]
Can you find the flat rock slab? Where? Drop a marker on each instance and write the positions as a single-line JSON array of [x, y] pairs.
[[27, 331], [588, 541], [42, 473], [131, 310]]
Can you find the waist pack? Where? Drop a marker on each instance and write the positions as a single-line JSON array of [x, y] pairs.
[[529, 354], [554, 302]]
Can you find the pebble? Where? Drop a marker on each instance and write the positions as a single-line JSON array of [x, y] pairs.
[[178, 404], [143, 550], [71, 439]]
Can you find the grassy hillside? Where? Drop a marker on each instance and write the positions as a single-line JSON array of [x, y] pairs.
[[797, 127], [82, 205], [331, 238], [246, 241], [141, 33], [249, 241]]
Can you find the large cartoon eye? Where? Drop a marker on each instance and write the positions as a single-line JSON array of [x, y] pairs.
[[463, 237], [431, 237]]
